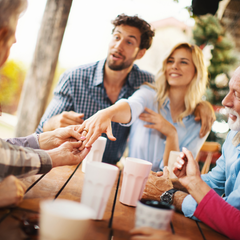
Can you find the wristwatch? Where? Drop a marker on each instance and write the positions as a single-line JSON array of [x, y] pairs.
[[167, 196]]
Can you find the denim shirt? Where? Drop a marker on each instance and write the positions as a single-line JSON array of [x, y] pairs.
[[224, 178], [149, 144]]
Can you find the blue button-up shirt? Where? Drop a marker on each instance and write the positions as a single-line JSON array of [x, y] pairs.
[[149, 144], [81, 90], [224, 178]]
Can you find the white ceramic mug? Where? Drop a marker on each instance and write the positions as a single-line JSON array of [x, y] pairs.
[[63, 220], [171, 160]]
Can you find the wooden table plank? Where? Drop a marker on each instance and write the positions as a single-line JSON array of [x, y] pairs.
[[210, 234], [98, 229], [123, 217], [186, 227], [47, 188]]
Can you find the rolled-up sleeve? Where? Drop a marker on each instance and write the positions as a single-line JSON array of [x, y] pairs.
[[137, 102], [29, 141], [21, 161]]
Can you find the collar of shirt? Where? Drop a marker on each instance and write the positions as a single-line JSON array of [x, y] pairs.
[[166, 105], [236, 140], [98, 77]]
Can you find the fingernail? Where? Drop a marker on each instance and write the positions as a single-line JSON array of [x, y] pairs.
[[82, 137]]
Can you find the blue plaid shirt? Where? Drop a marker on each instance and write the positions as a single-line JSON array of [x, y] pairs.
[[81, 90]]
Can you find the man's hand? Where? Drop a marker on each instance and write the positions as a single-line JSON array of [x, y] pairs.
[[68, 154], [204, 112], [63, 120], [147, 233], [156, 185], [52, 139], [187, 170], [11, 191]]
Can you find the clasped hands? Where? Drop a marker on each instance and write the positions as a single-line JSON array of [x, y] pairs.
[[64, 145]]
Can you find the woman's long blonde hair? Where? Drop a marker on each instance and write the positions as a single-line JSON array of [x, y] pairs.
[[196, 88]]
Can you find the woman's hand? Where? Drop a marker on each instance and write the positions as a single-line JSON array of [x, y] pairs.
[[166, 128], [94, 126], [100, 122], [158, 122]]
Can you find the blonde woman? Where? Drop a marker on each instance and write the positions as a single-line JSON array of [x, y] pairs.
[[160, 114]]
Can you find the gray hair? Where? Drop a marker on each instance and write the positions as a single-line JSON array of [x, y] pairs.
[[10, 9]]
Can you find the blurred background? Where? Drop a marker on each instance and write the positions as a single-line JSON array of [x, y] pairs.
[[213, 25]]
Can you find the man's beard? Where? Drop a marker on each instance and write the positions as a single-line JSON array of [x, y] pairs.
[[118, 67], [233, 125]]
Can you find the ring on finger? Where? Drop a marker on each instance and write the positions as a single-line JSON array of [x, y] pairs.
[[85, 129]]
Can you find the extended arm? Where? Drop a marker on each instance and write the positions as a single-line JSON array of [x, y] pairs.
[[22, 162], [209, 202], [157, 185], [48, 140], [101, 122]]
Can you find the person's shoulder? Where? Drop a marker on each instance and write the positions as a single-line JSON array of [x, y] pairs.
[[147, 88], [75, 73], [139, 71], [137, 77]]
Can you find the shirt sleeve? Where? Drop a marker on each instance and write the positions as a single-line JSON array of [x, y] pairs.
[[62, 101], [137, 102], [22, 162], [215, 179], [225, 221], [29, 141]]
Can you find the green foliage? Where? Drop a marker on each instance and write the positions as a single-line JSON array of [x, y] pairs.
[[12, 76], [209, 30]]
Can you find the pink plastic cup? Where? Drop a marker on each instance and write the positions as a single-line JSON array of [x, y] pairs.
[[135, 175]]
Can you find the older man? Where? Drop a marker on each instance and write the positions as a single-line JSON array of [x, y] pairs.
[[16, 159], [224, 178]]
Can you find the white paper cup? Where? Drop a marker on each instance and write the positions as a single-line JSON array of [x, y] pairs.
[[98, 182], [96, 152], [135, 175], [63, 220], [171, 160], [150, 213]]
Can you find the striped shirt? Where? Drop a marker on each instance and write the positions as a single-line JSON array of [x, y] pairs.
[[81, 90], [22, 161]]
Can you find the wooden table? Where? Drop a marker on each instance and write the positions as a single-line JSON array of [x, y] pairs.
[[66, 183]]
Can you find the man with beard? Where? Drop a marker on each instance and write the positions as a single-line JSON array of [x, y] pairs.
[[83, 91], [224, 178]]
